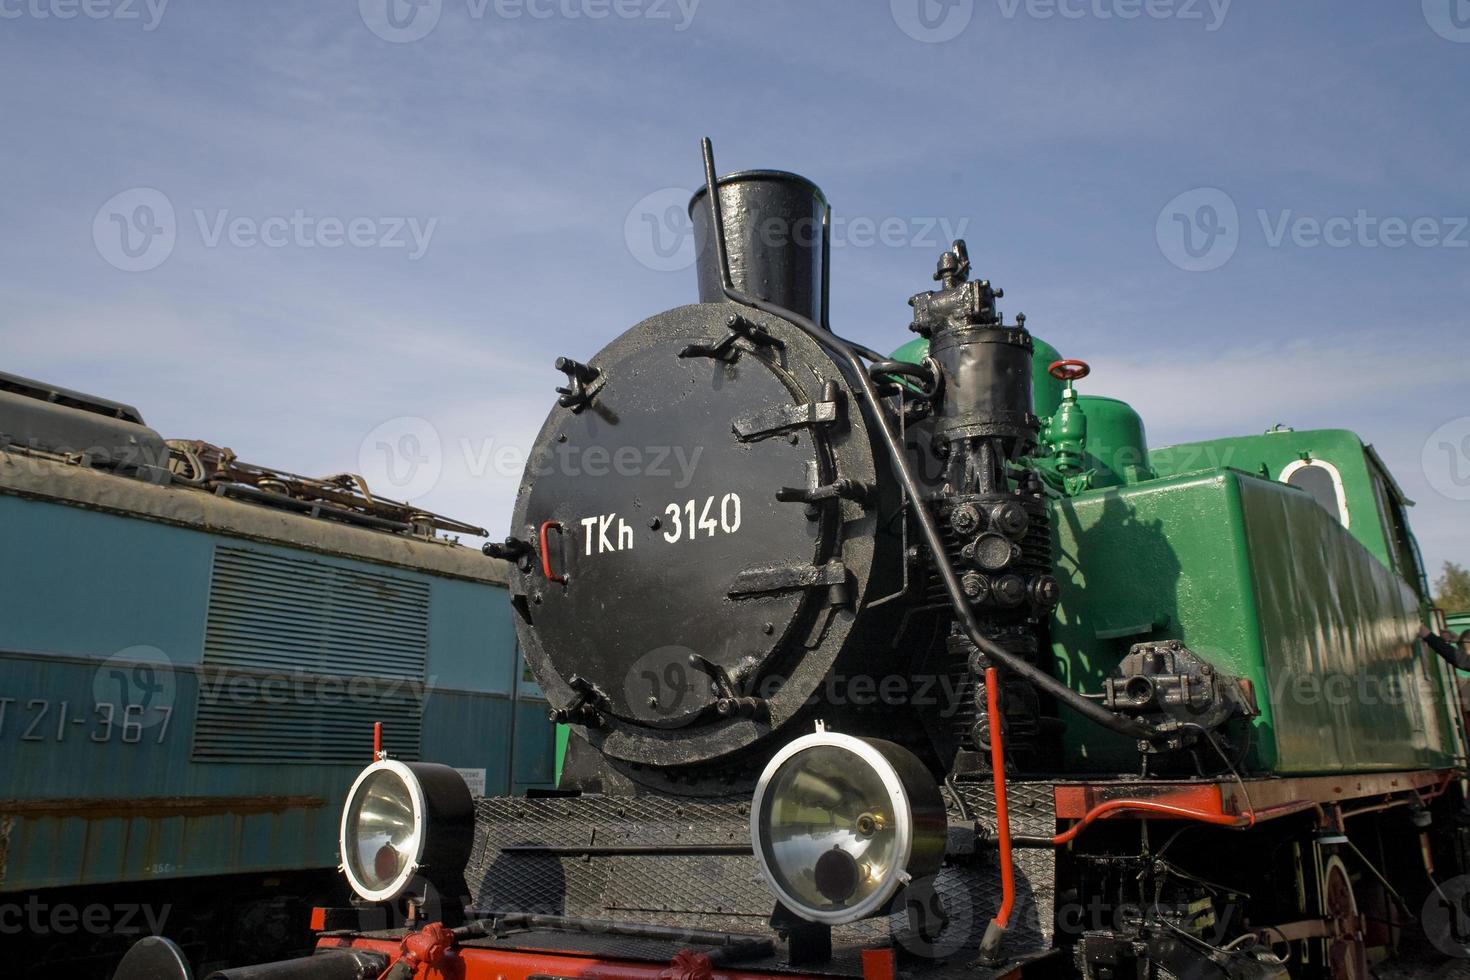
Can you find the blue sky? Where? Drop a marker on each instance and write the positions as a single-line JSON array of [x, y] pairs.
[[342, 234]]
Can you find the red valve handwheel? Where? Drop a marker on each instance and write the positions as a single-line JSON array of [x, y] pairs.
[[1069, 370]]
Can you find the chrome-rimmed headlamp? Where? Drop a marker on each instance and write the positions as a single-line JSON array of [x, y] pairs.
[[839, 824], [401, 818]]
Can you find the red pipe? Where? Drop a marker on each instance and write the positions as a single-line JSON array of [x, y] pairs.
[[1161, 809], [995, 933], [377, 740], [1243, 821], [546, 553]]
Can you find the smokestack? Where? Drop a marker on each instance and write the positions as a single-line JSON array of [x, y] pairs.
[[776, 240]]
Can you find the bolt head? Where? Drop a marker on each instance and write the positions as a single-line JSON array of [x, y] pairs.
[[1046, 591], [974, 585], [1010, 519], [965, 519], [1010, 590]]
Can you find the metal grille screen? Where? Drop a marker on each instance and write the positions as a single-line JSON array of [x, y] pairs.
[[301, 657]]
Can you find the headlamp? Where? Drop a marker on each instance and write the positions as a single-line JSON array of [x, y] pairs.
[[840, 823], [401, 818]]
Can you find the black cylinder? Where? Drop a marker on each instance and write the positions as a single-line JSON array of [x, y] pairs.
[[987, 385], [338, 964], [776, 239]]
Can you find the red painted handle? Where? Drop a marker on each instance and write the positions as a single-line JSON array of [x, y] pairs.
[[1069, 370], [546, 553]]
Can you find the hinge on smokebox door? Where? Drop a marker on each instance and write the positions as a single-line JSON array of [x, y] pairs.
[[783, 578], [830, 579], [783, 418], [816, 494], [725, 350]]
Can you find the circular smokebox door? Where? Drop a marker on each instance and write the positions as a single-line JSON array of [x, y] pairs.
[[687, 578]]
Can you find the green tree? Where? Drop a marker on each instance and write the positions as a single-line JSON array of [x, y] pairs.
[[1452, 588]]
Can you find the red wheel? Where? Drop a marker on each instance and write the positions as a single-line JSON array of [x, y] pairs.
[[1069, 370], [1346, 952]]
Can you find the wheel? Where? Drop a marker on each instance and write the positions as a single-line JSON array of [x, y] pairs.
[[1347, 953]]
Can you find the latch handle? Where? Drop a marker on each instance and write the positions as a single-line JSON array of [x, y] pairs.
[[551, 576]]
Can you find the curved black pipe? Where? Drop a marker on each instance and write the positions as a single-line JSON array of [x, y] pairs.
[[926, 379], [1076, 701]]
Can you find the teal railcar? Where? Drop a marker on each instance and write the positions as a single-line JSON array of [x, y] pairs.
[[193, 655]]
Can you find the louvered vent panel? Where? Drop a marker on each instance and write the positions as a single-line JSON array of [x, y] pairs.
[[301, 657]]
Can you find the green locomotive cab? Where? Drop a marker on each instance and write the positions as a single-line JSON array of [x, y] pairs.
[[1284, 559]]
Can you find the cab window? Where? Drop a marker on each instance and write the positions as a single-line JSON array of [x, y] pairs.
[[1396, 531]]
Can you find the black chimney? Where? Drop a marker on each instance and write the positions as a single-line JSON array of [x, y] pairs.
[[775, 236]]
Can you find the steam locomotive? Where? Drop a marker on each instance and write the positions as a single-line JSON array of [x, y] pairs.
[[930, 667]]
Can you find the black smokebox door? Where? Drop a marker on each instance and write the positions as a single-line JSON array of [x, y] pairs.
[[662, 506]]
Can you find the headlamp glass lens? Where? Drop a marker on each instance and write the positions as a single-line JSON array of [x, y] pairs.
[[830, 828], [381, 835]]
